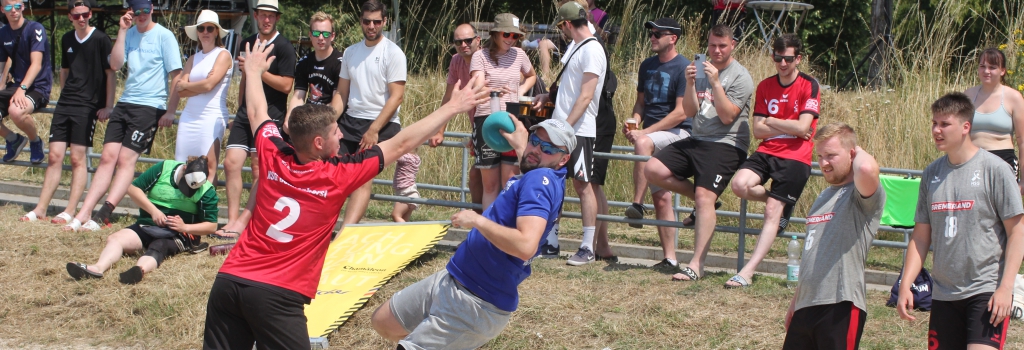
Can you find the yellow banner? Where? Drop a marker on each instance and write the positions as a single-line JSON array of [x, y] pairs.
[[359, 261]]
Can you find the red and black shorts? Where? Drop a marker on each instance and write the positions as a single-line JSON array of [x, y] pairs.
[[956, 324], [711, 164], [788, 176], [831, 326]]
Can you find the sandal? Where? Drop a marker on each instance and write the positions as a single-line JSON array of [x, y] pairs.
[[743, 283], [92, 226], [226, 234], [79, 271], [62, 218], [31, 216], [73, 226], [689, 273]]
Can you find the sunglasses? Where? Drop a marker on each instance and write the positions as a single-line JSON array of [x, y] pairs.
[[206, 29], [657, 34], [78, 16], [779, 58], [321, 33], [375, 22], [546, 147], [460, 42], [144, 11], [514, 36], [15, 7]]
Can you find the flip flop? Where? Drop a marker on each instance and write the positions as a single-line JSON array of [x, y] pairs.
[[743, 283], [688, 272], [226, 234], [62, 218], [79, 271], [31, 216]]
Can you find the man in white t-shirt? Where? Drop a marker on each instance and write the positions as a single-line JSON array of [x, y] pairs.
[[370, 90], [579, 91]]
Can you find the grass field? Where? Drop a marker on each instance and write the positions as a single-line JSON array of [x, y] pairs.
[[591, 307]]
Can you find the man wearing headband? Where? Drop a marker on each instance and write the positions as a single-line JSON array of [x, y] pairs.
[[153, 58], [26, 45], [177, 206]]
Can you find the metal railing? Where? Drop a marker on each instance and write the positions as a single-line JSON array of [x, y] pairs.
[[742, 215]]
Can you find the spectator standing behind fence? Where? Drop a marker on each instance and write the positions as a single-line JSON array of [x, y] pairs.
[[87, 95], [370, 92], [732, 13], [154, 61], [178, 205], [785, 116], [840, 227], [661, 82], [718, 104], [576, 102], [316, 74], [204, 81], [508, 71], [27, 47], [968, 212], [277, 84], [995, 130]]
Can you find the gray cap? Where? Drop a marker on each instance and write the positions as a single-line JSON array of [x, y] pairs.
[[560, 133]]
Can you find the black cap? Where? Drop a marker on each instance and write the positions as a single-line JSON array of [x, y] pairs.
[[665, 23], [192, 176], [76, 3]]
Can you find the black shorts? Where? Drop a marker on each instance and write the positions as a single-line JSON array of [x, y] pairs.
[[788, 176], [1009, 157], [37, 99], [711, 164], [832, 326], [955, 324], [581, 162], [241, 136], [602, 144], [240, 314], [72, 127], [352, 130], [162, 248], [133, 126], [486, 157]]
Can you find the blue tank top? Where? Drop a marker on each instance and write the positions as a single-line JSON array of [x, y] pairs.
[[997, 122]]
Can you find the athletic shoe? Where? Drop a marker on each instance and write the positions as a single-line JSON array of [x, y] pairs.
[[635, 211], [692, 219], [583, 256], [666, 266], [14, 147], [548, 251], [132, 275], [36, 151]]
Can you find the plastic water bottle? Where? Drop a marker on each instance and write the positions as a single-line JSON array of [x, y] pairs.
[[495, 101], [793, 266]]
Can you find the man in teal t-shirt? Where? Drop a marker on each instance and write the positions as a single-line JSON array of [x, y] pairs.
[[177, 205]]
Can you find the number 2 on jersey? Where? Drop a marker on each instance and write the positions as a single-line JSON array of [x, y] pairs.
[[950, 227], [276, 231]]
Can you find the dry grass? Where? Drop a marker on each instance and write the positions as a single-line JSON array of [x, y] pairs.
[[590, 307]]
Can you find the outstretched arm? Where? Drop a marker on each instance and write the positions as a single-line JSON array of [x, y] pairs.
[[257, 61]]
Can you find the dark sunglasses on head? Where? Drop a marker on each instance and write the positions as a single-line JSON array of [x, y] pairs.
[[546, 147], [375, 22], [657, 34], [779, 58], [321, 33], [206, 29], [15, 7], [78, 16], [515, 36], [466, 42], [144, 11]]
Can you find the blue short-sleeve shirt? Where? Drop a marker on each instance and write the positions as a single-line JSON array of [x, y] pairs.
[[150, 57]]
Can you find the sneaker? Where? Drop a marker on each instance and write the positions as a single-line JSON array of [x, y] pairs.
[[666, 266], [14, 147], [635, 211], [583, 256], [548, 251], [36, 151], [692, 219]]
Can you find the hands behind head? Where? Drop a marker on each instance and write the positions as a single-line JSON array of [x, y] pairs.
[[473, 94], [257, 58]]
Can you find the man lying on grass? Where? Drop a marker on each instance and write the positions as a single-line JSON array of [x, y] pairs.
[[177, 206], [272, 272], [470, 302]]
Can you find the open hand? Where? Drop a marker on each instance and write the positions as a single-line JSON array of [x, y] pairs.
[[257, 58], [473, 94]]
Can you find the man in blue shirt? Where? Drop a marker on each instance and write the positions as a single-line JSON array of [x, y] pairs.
[[469, 303], [154, 60], [24, 42]]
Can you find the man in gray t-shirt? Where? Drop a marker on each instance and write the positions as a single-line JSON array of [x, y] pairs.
[[968, 211], [718, 146], [840, 227]]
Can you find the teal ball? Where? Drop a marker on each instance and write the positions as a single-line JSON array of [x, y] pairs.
[[493, 125]]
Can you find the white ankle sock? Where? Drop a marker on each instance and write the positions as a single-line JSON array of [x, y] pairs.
[[588, 237]]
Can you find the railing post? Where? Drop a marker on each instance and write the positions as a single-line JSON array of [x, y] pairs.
[[88, 167], [465, 172], [675, 209], [742, 245]]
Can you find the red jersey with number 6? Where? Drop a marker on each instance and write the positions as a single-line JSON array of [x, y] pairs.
[[297, 206], [788, 103]]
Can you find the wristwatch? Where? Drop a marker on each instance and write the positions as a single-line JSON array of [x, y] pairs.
[[24, 87]]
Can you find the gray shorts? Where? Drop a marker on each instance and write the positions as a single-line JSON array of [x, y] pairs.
[[439, 313], [662, 139]]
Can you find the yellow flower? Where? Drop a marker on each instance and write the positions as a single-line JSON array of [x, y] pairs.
[[1020, 87], [1020, 41], [1002, 46], [1017, 32], [1009, 72]]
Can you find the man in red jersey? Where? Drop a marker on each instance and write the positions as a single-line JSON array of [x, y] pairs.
[[272, 272], [785, 114]]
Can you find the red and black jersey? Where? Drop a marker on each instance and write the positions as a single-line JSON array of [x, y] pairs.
[[297, 206], [788, 102]]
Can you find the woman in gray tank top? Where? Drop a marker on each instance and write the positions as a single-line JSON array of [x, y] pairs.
[[999, 110]]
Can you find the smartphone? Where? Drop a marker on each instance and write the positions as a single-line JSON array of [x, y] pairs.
[[698, 61]]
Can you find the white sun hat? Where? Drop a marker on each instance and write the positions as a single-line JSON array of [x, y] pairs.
[[206, 16]]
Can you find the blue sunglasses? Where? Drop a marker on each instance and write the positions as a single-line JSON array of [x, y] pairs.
[[546, 147], [8, 8]]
